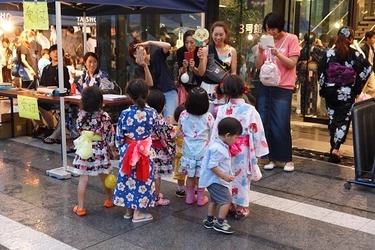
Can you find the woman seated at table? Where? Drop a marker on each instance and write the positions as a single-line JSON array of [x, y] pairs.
[[92, 76], [50, 78]]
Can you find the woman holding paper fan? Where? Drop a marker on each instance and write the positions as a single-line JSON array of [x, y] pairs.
[[224, 54], [274, 104]]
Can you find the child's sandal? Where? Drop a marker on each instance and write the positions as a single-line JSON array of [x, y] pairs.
[[162, 202], [241, 213], [79, 212]]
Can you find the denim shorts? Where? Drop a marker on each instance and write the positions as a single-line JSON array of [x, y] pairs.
[[219, 194]]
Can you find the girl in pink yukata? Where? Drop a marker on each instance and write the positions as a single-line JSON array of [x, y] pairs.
[[195, 126], [249, 146], [163, 147]]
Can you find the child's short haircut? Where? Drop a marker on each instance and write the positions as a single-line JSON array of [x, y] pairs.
[[178, 111], [91, 99], [197, 101], [156, 100], [229, 125]]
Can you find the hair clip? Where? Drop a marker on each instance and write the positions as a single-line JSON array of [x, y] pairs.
[[345, 32]]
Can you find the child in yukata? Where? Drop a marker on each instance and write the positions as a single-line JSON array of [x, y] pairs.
[[249, 146]]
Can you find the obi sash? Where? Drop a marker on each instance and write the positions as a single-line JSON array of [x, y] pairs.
[[137, 156]]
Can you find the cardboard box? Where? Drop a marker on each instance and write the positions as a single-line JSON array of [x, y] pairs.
[[21, 125]]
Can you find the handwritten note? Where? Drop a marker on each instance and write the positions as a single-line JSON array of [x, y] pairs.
[[35, 15], [28, 107]]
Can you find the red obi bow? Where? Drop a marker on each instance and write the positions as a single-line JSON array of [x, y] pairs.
[[235, 148], [137, 155]]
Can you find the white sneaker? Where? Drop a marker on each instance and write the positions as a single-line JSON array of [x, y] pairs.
[[289, 167], [269, 166]]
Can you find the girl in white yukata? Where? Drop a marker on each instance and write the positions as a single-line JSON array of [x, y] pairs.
[[248, 147], [195, 126]]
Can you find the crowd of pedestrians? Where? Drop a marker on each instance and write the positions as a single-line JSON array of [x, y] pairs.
[[208, 133]]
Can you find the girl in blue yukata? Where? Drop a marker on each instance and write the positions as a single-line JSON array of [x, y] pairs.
[[163, 148], [135, 187], [195, 126]]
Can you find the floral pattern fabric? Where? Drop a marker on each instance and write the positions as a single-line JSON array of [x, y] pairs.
[[100, 79], [100, 123], [340, 98], [162, 157], [196, 132], [242, 162], [135, 124]]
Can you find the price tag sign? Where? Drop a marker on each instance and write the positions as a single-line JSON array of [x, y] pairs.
[[28, 107]]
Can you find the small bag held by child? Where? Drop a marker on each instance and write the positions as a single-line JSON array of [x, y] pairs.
[[269, 72]]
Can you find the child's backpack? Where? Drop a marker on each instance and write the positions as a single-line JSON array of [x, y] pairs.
[[269, 72]]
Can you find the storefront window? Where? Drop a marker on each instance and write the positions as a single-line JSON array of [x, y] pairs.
[[316, 33], [245, 19]]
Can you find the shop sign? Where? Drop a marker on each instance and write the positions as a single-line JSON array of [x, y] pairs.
[[90, 21], [251, 28]]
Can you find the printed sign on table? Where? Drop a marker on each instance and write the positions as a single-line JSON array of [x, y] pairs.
[[28, 107]]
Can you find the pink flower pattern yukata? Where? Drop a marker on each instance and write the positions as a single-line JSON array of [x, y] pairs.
[[196, 132], [255, 145]]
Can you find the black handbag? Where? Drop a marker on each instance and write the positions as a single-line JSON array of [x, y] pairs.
[[214, 70]]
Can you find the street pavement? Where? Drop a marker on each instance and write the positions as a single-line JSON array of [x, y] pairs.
[[306, 209]]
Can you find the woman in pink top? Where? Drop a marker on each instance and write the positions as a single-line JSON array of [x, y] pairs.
[[274, 104]]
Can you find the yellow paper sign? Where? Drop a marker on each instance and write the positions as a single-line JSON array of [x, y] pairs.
[[28, 107], [35, 15]]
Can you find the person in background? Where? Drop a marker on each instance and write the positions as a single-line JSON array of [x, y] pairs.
[[44, 61], [141, 60], [6, 61], [72, 45], [24, 56], [217, 174], [91, 41], [42, 40], [94, 126], [340, 93], [92, 75], [163, 148], [135, 186], [307, 71], [368, 50], [162, 74], [190, 67], [274, 104], [50, 78], [195, 126], [69, 63], [224, 53]]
